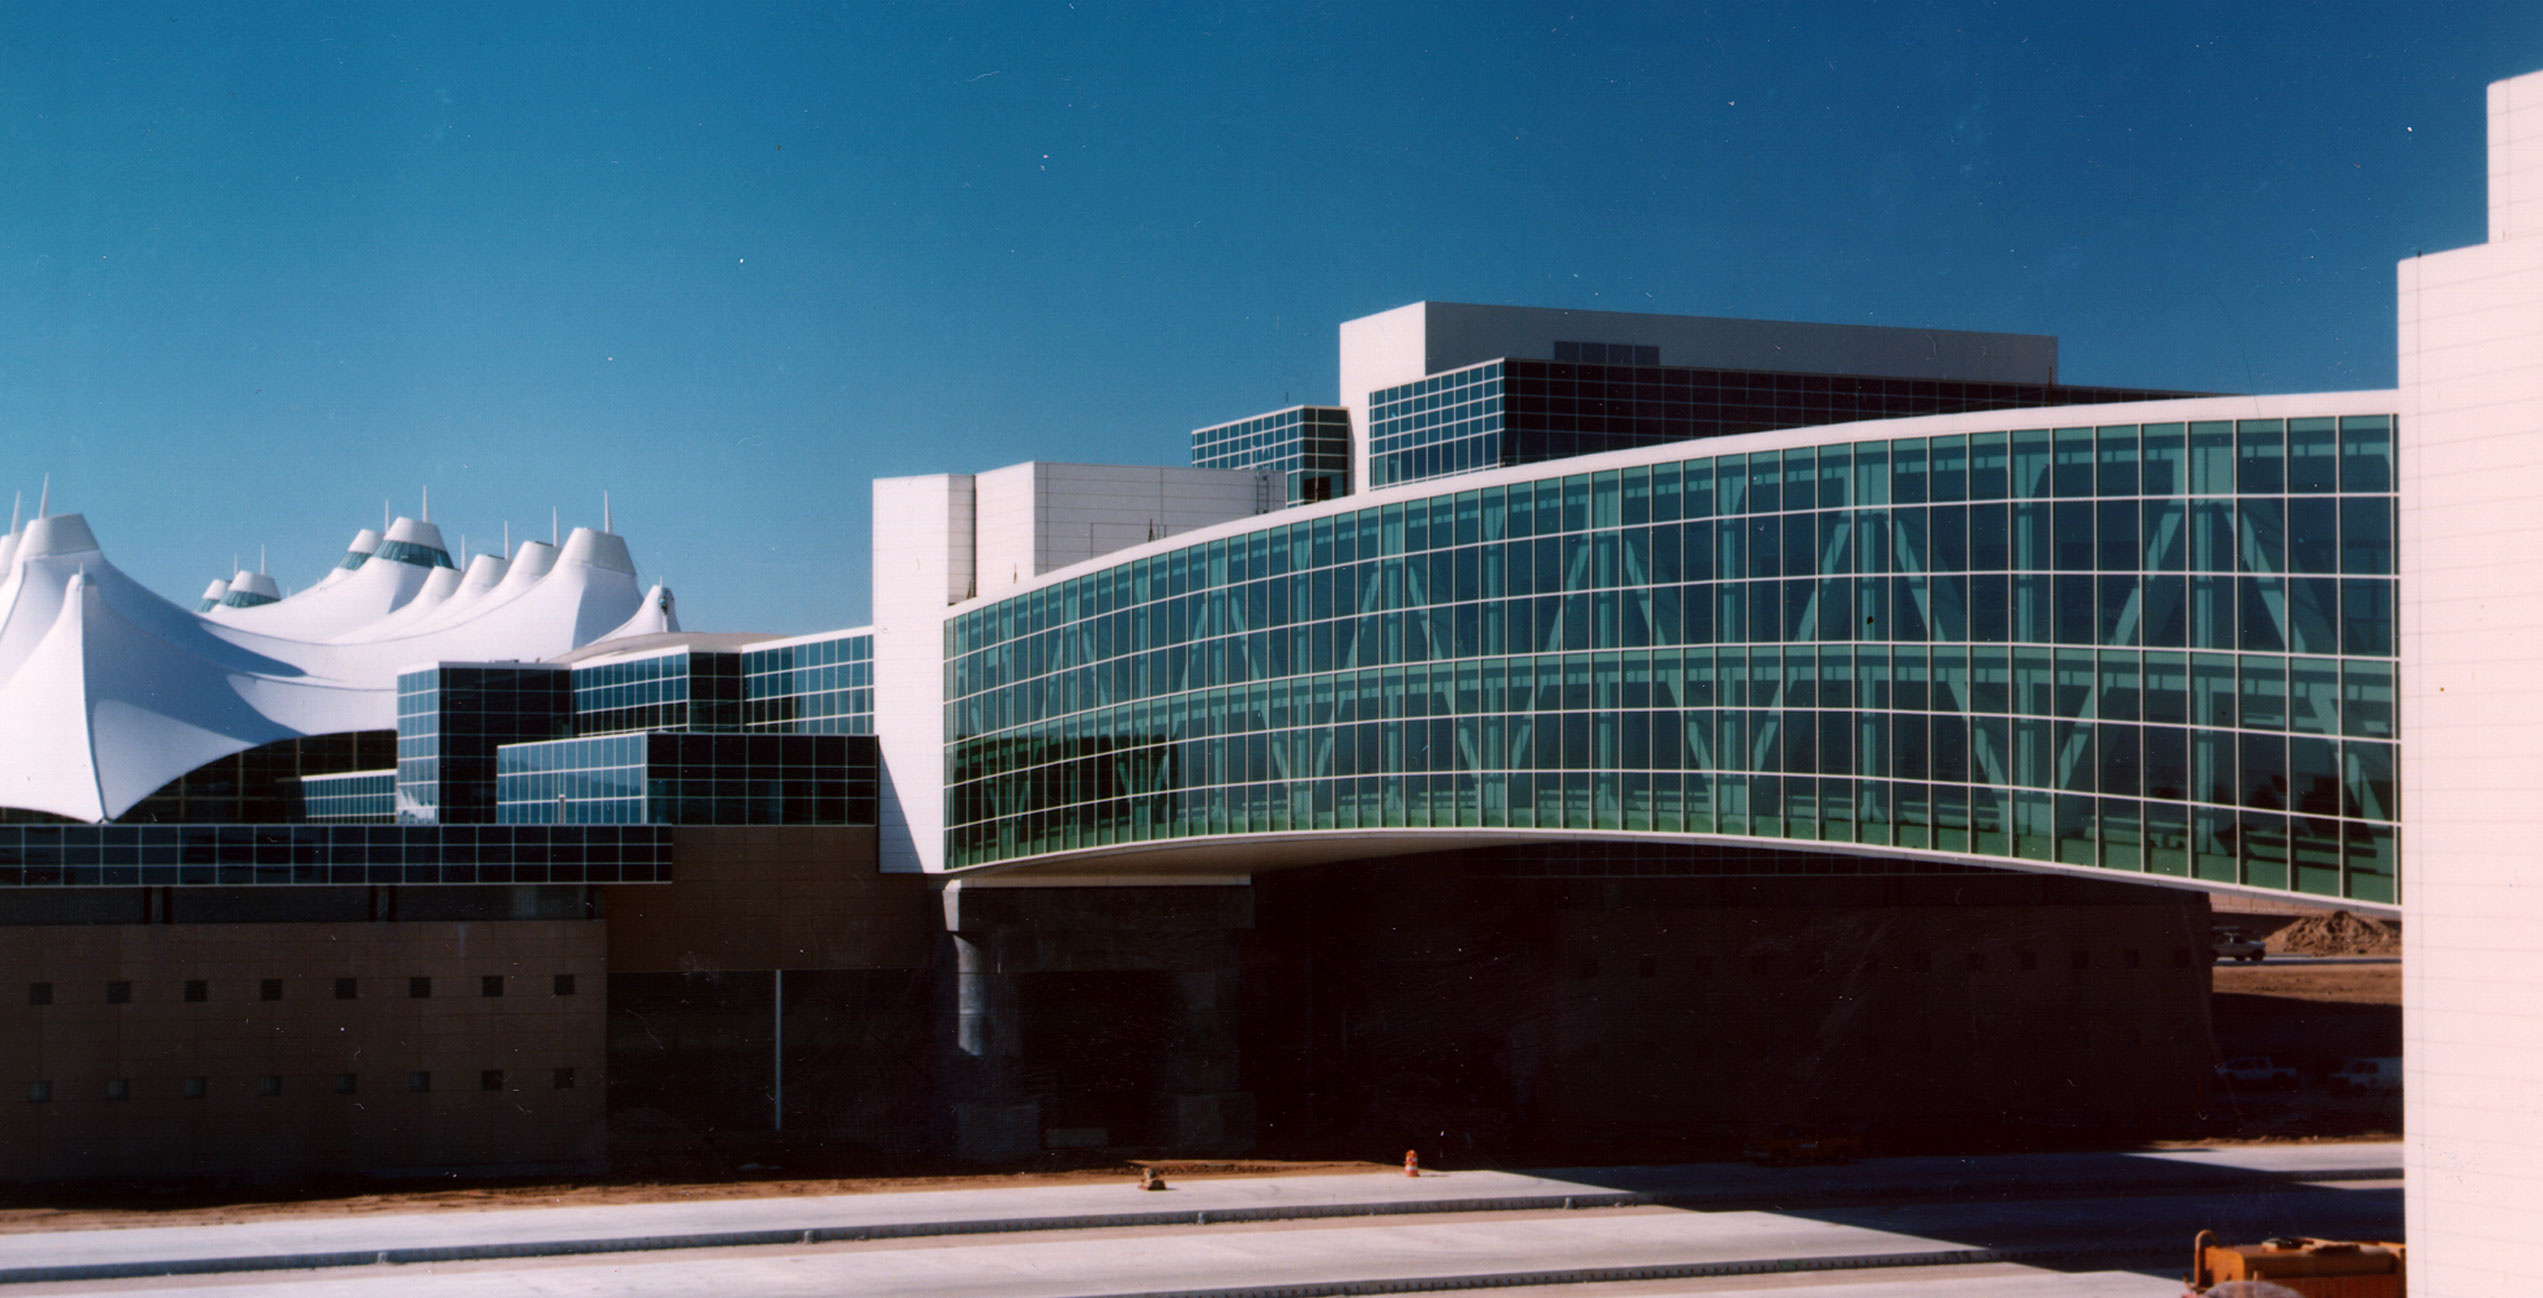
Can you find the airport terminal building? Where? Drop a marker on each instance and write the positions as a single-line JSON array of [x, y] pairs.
[[1591, 728]]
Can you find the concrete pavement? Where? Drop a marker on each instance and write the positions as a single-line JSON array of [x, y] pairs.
[[1304, 1262], [458, 1234]]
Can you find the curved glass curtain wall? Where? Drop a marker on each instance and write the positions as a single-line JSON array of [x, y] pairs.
[[2165, 648]]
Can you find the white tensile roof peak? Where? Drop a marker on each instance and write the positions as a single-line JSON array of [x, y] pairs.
[[108, 691]]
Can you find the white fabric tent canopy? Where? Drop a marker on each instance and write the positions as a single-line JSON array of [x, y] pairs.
[[108, 692]]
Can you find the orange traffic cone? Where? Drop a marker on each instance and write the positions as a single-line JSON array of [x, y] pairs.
[[1412, 1163]]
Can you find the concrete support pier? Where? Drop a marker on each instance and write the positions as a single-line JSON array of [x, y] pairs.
[[1096, 1017]]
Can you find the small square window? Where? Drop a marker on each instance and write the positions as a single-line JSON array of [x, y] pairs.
[[565, 984], [194, 1088], [269, 1084], [490, 1080], [419, 1082], [564, 1079], [39, 1092], [490, 985], [344, 1083], [119, 993], [419, 988], [348, 988], [39, 993], [197, 991], [119, 1089], [269, 989]]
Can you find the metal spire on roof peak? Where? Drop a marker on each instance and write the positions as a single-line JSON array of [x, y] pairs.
[[551, 526], [17, 503], [507, 538], [44, 502], [428, 506], [604, 512], [385, 510], [260, 556]]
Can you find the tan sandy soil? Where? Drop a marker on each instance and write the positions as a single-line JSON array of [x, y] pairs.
[[2353, 984], [2337, 933], [2307, 1016]]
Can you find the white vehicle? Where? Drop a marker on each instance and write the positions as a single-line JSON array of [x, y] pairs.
[[2234, 944], [2368, 1075]]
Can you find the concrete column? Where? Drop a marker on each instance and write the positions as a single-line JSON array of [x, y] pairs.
[[1206, 1113], [1178, 938], [990, 1123], [984, 1010]]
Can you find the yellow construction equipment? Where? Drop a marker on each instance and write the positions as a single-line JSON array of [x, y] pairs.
[[2316, 1268]]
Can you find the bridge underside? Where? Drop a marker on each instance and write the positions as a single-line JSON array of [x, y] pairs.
[[1568, 999], [1235, 857]]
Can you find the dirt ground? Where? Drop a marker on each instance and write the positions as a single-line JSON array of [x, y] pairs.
[[2354, 984], [2308, 1015]]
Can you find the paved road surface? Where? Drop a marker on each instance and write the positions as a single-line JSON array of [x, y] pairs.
[[1850, 1213], [1263, 1256], [1703, 1184]]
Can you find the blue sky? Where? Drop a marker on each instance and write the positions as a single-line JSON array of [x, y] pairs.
[[262, 266]]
